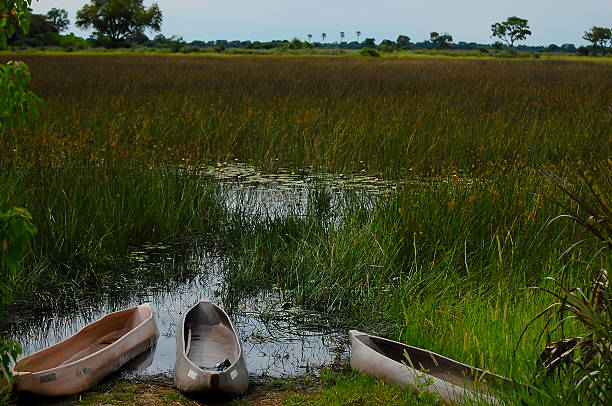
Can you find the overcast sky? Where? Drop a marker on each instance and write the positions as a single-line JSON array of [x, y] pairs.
[[551, 21]]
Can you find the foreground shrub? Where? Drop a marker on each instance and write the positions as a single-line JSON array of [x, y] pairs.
[[586, 359]]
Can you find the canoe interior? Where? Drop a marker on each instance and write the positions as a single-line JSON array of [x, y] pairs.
[[440, 367], [89, 340], [209, 337]]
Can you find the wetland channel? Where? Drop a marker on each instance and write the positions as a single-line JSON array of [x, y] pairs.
[[279, 339]]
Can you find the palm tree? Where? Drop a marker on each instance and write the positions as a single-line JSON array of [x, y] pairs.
[[309, 37], [341, 36], [323, 36], [358, 34]]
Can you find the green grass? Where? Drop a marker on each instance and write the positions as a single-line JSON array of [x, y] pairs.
[[441, 266], [353, 388], [89, 217], [315, 52], [112, 162], [120, 393]]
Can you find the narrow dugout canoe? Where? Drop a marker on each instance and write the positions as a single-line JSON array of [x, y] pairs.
[[209, 356], [424, 370], [79, 362]]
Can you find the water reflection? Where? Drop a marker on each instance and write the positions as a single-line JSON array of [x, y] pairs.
[[281, 345]]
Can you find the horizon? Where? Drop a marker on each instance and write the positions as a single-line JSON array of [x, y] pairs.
[[551, 22]]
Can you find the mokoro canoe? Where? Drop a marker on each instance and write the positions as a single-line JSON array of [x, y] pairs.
[[79, 362], [209, 356], [421, 369]]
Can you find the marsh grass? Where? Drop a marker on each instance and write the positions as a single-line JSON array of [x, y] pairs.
[[442, 262], [584, 357], [90, 216], [393, 117], [444, 266]]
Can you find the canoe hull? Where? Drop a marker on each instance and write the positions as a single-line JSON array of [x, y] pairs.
[[190, 378], [233, 381], [82, 374], [452, 388]]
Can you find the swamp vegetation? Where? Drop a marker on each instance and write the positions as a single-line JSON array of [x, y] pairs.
[[442, 257]]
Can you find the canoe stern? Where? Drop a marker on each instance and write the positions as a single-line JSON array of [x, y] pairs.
[[190, 379]]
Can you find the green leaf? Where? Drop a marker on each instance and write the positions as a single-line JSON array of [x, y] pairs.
[[11, 264], [5, 295], [17, 227]]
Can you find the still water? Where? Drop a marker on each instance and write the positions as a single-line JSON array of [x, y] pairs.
[[278, 338]]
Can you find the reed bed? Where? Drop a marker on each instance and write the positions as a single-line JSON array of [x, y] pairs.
[[90, 215], [391, 117]]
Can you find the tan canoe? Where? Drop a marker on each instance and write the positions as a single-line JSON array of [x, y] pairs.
[[79, 362], [209, 354], [421, 369]]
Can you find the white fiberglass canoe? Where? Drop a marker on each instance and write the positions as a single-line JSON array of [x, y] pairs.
[[209, 354], [81, 361], [421, 369]]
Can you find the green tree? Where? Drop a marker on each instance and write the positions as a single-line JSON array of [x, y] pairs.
[[119, 19], [369, 43], [341, 36], [512, 30], [16, 228], [598, 36], [309, 37], [441, 41], [17, 105], [568, 48], [358, 33], [39, 24], [385, 45], [14, 15], [59, 18], [402, 41], [39, 30], [297, 44], [323, 36]]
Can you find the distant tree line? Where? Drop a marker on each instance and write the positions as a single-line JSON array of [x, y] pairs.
[[123, 23]]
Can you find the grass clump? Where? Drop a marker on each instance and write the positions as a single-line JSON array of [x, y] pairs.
[[438, 265], [354, 388], [90, 215]]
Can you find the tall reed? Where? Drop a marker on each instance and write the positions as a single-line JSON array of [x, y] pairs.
[[394, 117]]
